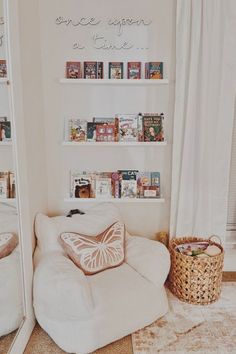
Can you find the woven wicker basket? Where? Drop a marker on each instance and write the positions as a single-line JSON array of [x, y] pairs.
[[192, 279]]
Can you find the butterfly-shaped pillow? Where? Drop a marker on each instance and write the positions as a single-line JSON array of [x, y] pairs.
[[96, 253], [8, 242]]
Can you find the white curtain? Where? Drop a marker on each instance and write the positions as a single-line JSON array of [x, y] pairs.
[[203, 120]]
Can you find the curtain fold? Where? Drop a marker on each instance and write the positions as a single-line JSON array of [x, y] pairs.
[[203, 120]]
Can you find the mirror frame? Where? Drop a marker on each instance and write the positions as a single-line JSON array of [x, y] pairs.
[[13, 55]]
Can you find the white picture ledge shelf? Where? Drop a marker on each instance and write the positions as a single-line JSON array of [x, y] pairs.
[[4, 80], [5, 143], [117, 144], [9, 201], [115, 200], [115, 82]]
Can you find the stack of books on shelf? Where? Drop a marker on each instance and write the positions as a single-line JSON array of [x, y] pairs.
[[140, 127], [95, 70], [119, 184], [5, 129], [7, 185]]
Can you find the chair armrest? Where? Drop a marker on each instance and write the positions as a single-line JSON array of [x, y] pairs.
[[61, 288], [149, 258]]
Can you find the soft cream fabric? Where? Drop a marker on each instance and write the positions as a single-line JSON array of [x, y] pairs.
[[95, 221], [82, 313], [94, 254]]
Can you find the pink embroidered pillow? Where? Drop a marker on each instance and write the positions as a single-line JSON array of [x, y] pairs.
[[8, 242], [96, 253]]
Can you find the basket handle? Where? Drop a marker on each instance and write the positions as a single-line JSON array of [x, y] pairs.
[[218, 237]]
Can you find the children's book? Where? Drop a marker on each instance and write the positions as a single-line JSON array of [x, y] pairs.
[[109, 120], [128, 127], [105, 132], [3, 68], [90, 70], [91, 131], [73, 70], [143, 179], [4, 185], [75, 130], [103, 188], [154, 70], [134, 70], [5, 131], [80, 185], [128, 188], [153, 127], [115, 183], [116, 70]]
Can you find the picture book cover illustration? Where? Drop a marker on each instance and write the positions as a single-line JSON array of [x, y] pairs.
[[91, 131], [3, 68], [75, 130], [134, 70], [109, 120], [154, 70], [128, 127], [5, 130], [153, 127], [90, 69], [116, 70], [105, 132], [103, 187], [80, 185], [73, 70], [129, 188]]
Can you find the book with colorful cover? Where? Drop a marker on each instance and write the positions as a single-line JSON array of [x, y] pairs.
[[3, 68], [128, 174], [105, 132], [12, 185], [100, 70], [116, 70], [5, 131], [151, 192], [80, 185], [128, 188], [90, 70], [128, 127], [134, 70], [91, 131], [153, 127], [115, 183], [154, 70], [75, 130], [109, 120], [143, 179], [73, 70], [140, 127]]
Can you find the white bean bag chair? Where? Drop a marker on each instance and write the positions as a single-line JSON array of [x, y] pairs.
[[11, 303], [82, 313]]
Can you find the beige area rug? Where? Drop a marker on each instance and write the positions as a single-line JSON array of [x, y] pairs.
[[186, 329], [6, 341], [194, 329]]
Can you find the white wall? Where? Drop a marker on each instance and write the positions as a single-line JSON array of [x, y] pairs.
[[87, 101]]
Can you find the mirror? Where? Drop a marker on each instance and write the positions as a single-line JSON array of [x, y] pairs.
[[11, 284]]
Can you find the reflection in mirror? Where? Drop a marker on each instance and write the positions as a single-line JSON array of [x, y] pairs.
[[11, 304]]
